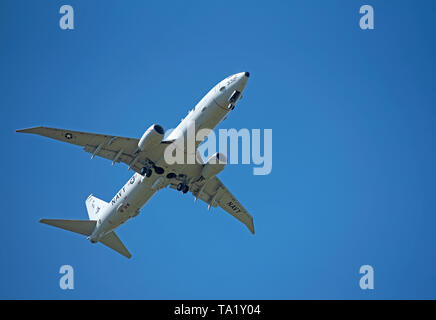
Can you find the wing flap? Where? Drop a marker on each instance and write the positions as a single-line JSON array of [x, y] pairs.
[[110, 154]]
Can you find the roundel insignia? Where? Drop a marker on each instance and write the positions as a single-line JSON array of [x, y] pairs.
[[68, 136], [132, 180]]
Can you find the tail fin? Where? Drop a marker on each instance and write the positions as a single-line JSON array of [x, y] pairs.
[[112, 241], [94, 206], [85, 227]]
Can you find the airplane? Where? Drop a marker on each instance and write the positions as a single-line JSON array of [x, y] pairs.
[[152, 172]]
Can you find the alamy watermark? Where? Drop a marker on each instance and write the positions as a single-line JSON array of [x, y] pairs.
[[241, 146], [66, 22], [66, 282], [367, 280], [366, 22]]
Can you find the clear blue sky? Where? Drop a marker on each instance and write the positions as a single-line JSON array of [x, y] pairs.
[[353, 119]]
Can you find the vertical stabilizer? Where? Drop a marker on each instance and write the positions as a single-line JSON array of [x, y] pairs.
[[95, 207]]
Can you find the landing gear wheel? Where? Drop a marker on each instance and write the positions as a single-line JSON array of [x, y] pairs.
[[146, 172], [180, 187], [159, 170], [185, 189], [171, 175]]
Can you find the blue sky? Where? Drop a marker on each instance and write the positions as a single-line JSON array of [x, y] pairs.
[[353, 120]]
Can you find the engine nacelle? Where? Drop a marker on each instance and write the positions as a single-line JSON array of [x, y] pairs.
[[214, 165], [151, 137]]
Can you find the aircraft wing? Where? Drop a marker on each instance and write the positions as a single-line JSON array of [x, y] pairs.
[[213, 192], [114, 148]]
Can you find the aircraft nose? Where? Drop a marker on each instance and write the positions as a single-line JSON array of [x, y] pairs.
[[242, 81], [230, 86]]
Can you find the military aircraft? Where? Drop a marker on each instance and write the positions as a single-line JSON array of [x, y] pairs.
[[153, 172]]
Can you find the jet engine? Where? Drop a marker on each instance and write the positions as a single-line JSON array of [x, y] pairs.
[[214, 165], [151, 137]]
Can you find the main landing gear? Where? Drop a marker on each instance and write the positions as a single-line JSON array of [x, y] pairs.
[[183, 187], [146, 171], [159, 170]]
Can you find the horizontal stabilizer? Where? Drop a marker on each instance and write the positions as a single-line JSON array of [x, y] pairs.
[[85, 227], [112, 241]]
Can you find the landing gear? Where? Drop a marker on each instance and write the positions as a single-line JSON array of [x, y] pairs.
[[171, 175], [159, 170], [183, 187], [146, 172], [149, 167]]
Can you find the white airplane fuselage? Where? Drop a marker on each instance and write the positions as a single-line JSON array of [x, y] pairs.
[[207, 114]]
